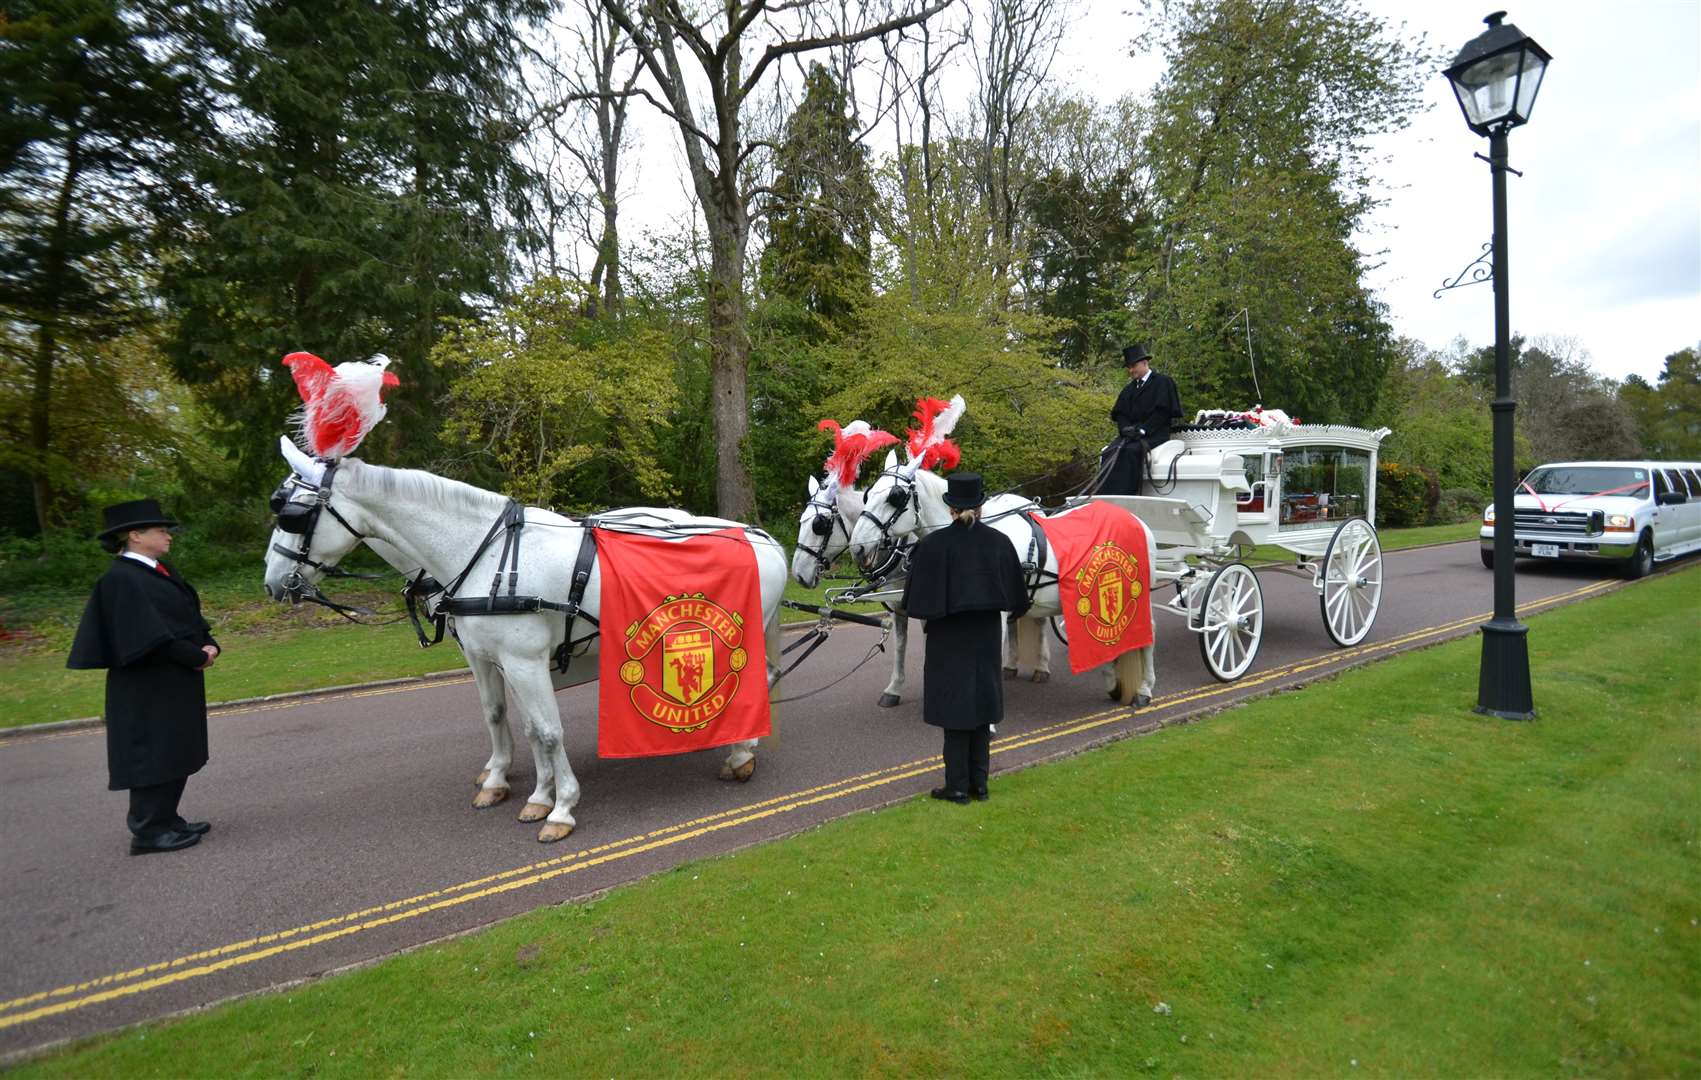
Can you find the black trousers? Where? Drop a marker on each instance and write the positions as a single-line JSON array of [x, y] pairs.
[[1124, 467], [968, 755], [153, 809]]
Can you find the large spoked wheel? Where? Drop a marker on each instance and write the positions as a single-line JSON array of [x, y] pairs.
[[1231, 621], [1352, 582]]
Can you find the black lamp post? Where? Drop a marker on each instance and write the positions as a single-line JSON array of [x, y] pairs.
[[1495, 78]]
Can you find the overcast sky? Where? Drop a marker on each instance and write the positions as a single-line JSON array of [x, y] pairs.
[[1605, 223]]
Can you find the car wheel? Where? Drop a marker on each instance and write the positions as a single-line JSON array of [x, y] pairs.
[[1641, 563], [1488, 558]]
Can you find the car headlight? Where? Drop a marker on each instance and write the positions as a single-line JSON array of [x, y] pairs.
[[1620, 523], [1488, 516]]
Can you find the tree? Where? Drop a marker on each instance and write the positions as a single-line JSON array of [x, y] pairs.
[[1439, 422], [366, 190], [1668, 417], [558, 408], [1566, 412], [100, 98], [716, 153], [814, 280], [1261, 172], [1087, 214]]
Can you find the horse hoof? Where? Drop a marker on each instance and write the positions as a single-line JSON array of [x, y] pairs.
[[488, 797], [742, 773], [1009, 673], [888, 701], [482, 777], [1042, 676], [535, 811], [1143, 700], [552, 832]]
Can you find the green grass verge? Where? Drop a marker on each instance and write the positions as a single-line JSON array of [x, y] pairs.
[[1362, 878], [1390, 539]]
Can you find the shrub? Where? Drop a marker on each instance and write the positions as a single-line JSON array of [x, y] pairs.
[[1404, 495], [1460, 504]]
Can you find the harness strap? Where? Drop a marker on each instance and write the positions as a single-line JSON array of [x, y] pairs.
[[1038, 550]]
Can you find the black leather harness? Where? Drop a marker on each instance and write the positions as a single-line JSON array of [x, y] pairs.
[[510, 524]]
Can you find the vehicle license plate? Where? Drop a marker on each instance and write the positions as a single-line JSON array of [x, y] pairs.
[[1545, 551]]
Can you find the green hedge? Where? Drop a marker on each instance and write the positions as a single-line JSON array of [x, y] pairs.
[[1405, 495]]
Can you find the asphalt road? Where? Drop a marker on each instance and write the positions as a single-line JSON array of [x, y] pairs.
[[344, 831]]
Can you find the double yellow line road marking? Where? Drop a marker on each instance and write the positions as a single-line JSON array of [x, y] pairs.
[[42, 1004]]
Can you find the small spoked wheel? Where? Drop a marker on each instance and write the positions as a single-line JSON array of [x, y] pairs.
[[1231, 621], [1352, 582]]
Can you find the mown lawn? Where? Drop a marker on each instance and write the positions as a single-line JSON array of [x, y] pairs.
[[274, 649], [1361, 878]]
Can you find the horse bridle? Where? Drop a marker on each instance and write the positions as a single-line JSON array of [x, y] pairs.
[[899, 499], [300, 517], [827, 518]]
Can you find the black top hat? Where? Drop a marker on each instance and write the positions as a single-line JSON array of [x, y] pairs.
[[1135, 353], [964, 491], [135, 514]]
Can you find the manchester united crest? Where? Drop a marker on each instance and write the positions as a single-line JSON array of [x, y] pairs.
[[1108, 585], [683, 662]]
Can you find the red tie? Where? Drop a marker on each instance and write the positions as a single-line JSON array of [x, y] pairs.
[[161, 568]]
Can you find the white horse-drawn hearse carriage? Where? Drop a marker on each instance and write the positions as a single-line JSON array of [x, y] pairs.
[[1231, 481]]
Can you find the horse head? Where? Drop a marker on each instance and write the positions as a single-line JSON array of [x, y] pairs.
[[304, 546], [823, 529], [905, 502]]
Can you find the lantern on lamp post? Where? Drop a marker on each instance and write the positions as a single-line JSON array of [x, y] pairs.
[[1496, 77]]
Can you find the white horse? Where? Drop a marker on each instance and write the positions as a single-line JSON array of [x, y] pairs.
[[905, 503], [823, 534], [439, 524]]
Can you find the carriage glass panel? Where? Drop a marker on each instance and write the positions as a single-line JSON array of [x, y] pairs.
[[1323, 485]]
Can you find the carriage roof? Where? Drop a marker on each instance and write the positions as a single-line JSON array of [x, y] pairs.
[[1247, 436]]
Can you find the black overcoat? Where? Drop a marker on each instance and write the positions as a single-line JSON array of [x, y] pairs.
[[146, 630], [962, 578], [1142, 414]]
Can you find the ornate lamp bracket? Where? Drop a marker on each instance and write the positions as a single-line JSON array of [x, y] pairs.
[[1479, 269]]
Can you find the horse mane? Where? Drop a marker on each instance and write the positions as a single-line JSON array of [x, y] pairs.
[[414, 486]]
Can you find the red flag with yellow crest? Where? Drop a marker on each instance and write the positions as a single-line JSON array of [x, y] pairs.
[[683, 661], [1104, 582]]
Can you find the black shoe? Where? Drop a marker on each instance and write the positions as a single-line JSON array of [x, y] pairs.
[[167, 841], [950, 794], [981, 795], [199, 828]]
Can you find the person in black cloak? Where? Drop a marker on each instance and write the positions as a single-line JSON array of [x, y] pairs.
[[962, 578], [143, 625], [1143, 413]]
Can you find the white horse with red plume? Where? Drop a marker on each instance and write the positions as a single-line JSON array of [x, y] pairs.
[[680, 665], [824, 528], [908, 501]]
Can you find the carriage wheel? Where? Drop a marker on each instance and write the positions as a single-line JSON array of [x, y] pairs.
[[1059, 629], [1352, 582], [1231, 621]]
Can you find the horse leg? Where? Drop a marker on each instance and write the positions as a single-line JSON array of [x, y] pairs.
[[901, 636], [493, 699], [740, 761], [1010, 642], [534, 698], [540, 802], [1031, 650], [1148, 660]]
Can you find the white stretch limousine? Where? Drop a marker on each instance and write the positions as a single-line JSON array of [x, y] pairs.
[[1633, 513]]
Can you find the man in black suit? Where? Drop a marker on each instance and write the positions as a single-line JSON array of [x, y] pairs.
[[143, 625], [1143, 413]]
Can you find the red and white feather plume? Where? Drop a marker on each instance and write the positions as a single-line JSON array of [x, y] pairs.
[[927, 446], [852, 445], [339, 404]]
